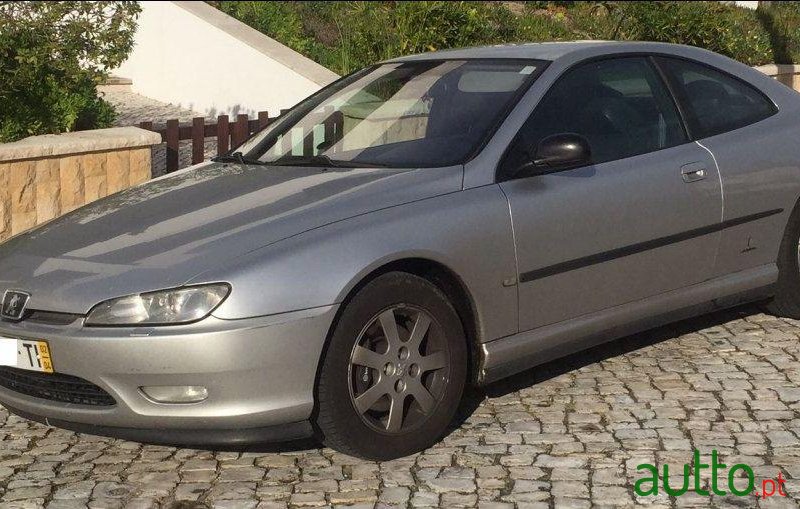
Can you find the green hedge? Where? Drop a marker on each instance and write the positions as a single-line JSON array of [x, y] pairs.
[[52, 55], [344, 36]]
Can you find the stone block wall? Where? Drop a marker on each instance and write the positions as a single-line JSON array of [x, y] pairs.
[[42, 177], [788, 74]]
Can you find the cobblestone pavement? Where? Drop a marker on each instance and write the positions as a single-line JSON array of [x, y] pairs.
[[569, 434], [133, 109]]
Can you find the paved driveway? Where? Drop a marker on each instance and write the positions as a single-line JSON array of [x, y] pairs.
[[569, 434]]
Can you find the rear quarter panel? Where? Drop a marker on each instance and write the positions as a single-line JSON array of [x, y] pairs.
[[760, 171]]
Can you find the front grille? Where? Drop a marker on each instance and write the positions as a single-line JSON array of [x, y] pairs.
[[46, 317], [54, 386], [51, 318]]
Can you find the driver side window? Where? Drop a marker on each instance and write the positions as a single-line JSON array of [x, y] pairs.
[[620, 106]]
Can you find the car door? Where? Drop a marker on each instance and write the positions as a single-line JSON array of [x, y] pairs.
[[636, 222], [739, 125]]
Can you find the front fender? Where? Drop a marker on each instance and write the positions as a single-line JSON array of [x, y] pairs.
[[467, 231]]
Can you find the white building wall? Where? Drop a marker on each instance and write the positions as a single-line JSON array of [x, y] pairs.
[[194, 56]]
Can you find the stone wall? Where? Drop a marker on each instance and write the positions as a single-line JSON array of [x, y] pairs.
[[788, 74], [42, 177]]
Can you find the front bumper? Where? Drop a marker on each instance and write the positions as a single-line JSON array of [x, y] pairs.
[[225, 437], [259, 373]]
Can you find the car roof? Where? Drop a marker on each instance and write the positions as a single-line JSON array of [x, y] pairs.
[[544, 50]]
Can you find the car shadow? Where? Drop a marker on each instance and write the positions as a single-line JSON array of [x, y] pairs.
[[474, 396]]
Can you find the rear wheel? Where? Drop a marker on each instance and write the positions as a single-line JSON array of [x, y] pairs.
[[786, 302], [394, 370]]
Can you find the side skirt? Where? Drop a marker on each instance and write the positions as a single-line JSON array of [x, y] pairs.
[[512, 354]]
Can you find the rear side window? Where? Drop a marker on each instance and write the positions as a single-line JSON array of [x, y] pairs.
[[715, 102], [620, 106]]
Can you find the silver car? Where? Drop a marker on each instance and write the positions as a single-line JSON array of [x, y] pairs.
[[425, 223]]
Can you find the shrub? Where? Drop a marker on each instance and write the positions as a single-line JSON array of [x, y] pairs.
[[276, 19], [726, 29], [52, 55], [372, 31], [781, 20], [347, 35]]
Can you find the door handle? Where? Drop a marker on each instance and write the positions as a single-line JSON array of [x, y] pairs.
[[693, 172]]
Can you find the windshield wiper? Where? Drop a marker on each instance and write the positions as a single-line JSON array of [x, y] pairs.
[[236, 157], [322, 160]]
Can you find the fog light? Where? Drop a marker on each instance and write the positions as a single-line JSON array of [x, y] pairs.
[[175, 393]]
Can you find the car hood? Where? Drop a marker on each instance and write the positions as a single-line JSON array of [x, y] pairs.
[[162, 233]]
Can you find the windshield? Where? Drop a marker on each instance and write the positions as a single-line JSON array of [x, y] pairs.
[[413, 114]]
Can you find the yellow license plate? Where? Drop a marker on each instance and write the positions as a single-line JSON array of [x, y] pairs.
[[33, 355]]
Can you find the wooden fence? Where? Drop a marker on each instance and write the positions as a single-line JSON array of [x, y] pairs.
[[228, 134]]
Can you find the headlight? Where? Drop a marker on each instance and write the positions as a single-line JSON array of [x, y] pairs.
[[166, 307]]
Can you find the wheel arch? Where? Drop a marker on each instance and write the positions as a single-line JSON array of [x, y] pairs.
[[441, 276]]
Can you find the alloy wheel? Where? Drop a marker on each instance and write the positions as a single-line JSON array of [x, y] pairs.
[[399, 368]]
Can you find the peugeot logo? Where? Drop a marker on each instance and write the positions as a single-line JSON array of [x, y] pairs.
[[13, 305]]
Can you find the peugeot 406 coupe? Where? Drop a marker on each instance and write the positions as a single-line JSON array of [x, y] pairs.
[[426, 223]]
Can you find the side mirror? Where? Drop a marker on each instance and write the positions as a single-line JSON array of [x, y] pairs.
[[561, 151]]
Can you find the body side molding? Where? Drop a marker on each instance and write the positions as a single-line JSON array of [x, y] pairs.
[[640, 247]]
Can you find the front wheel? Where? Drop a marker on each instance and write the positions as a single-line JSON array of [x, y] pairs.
[[394, 371]]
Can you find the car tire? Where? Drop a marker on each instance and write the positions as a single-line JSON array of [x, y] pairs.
[[363, 362], [786, 301]]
